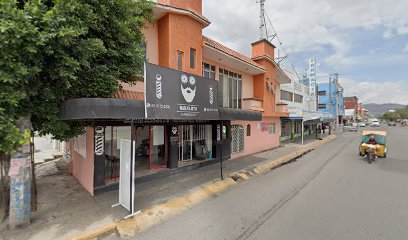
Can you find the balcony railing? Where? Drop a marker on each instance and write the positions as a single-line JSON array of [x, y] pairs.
[[253, 104]]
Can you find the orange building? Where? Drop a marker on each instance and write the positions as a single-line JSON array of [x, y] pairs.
[[244, 117]]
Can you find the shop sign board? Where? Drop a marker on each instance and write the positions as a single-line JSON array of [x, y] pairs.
[[295, 112], [172, 94]]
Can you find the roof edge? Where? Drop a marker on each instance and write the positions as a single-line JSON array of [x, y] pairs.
[[263, 40]]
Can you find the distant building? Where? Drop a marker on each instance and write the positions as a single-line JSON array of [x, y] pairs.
[[327, 93], [351, 108]]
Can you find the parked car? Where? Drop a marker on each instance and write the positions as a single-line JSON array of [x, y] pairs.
[[375, 123], [392, 123], [361, 124]]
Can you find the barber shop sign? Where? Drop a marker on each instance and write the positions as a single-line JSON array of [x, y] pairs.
[[171, 94]]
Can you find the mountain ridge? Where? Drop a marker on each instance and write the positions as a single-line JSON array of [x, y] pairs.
[[378, 109]]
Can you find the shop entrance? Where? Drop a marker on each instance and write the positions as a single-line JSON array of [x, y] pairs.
[[151, 149], [195, 143]]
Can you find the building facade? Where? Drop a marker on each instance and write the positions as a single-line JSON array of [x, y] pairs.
[[296, 96], [199, 102], [351, 109], [330, 94]]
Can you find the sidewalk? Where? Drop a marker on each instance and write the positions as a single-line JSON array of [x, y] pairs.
[[65, 209]]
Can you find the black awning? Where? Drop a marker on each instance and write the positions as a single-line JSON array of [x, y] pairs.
[[101, 108], [239, 114]]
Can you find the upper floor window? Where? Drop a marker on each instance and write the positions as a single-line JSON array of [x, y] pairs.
[[192, 58], [230, 89], [287, 96], [180, 60], [322, 93], [298, 98], [208, 71], [322, 106]]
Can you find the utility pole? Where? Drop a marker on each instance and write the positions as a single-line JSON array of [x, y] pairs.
[[330, 95], [337, 99]]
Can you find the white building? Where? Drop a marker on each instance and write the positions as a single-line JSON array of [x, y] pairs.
[[301, 102]]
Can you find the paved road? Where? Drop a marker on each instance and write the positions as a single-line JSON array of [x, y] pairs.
[[328, 194]]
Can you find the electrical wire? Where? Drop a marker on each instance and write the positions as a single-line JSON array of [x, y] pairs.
[[280, 43]]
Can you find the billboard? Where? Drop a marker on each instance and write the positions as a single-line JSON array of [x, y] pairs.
[[172, 94]]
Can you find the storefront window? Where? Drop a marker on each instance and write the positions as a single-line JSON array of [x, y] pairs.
[[196, 142], [113, 136], [158, 154]]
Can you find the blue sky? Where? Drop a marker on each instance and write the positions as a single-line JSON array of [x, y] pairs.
[[366, 42]]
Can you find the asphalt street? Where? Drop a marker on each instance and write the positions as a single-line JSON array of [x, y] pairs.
[[330, 193]]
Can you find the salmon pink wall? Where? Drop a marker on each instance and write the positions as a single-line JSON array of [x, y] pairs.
[[259, 141], [180, 33], [136, 87], [151, 35], [83, 168], [261, 48], [194, 5]]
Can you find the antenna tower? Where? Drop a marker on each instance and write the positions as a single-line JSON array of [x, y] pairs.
[[263, 32]]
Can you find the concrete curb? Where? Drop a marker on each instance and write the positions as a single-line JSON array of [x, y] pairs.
[[161, 212], [271, 164], [94, 233]]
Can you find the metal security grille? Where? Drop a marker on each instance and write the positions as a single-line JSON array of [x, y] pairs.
[[188, 135], [238, 136]]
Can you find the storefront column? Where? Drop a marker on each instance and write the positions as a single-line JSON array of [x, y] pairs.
[[99, 156]]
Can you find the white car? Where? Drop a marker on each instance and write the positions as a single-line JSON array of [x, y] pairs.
[[375, 123], [361, 124]]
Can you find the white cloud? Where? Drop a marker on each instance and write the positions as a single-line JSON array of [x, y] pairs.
[[405, 50], [305, 25], [377, 92], [388, 34], [307, 28], [402, 30]]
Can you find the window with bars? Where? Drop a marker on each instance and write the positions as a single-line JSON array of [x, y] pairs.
[[272, 128], [287, 96], [180, 60], [298, 98], [238, 137], [192, 58], [230, 89], [208, 71]]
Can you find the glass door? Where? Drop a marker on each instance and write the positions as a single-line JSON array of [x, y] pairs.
[[158, 147]]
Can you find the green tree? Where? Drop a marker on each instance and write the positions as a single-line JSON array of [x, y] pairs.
[[53, 50], [393, 116], [58, 49]]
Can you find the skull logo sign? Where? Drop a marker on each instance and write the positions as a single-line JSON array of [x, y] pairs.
[[188, 88]]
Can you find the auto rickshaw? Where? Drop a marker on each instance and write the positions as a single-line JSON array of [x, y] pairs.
[[380, 150]]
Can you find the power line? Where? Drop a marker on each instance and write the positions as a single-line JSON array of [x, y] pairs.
[[280, 43]]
